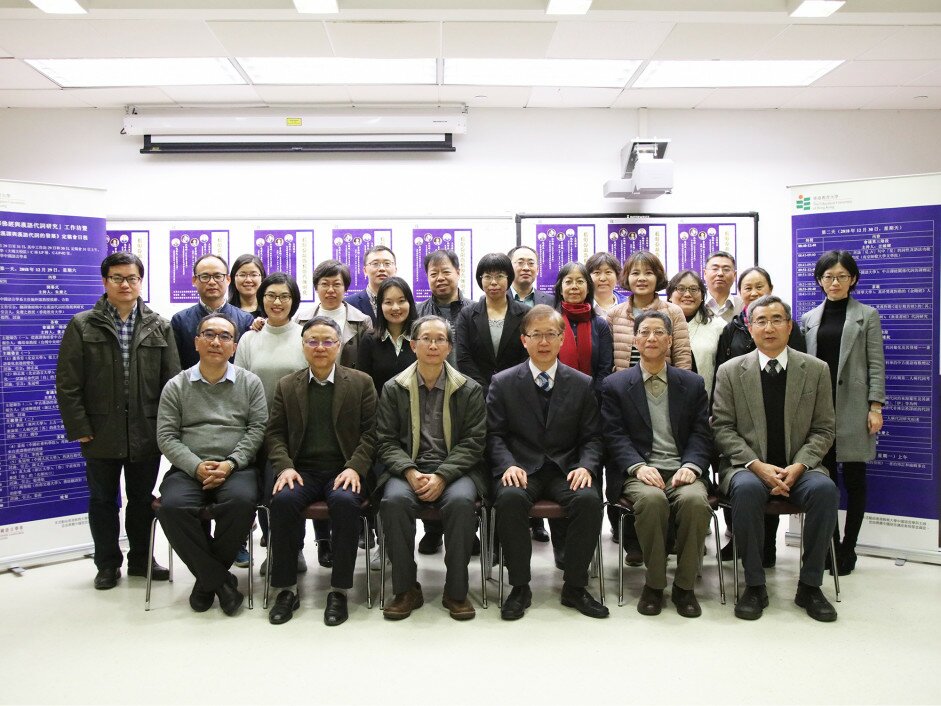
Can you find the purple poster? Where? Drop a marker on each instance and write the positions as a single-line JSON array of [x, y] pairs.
[[186, 247], [697, 241], [350, 246], [556, 245], [427, 240], [136, 242], [50, 271], [897, 250], [277, 249], [624, 239]]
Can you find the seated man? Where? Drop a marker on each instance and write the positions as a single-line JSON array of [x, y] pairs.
[[321, 439], [432, 430], [773, 423], [656, 428], [210, 424], [544, 441]]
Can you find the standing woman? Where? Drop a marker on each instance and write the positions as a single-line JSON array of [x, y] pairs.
[[386, 352], [244, 281], [586, 345], [687, 291], [847, 335], [605, 271]]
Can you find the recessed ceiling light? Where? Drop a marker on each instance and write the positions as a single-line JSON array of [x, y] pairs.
[[725, 74], [98, 73], [317, 7], [568, 7], [591, 73], [296, 71], [813, 8], [59, 7]]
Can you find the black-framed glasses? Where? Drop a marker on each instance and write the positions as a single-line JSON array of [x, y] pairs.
[[543, 337], [210, 336], [214, 276], [119, 280], [270, 297], [683, 289], [315, 343]]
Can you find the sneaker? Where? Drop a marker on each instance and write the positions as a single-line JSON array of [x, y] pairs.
[[241, 559]]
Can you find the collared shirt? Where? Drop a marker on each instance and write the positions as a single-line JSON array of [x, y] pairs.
[[329, 379], [209, 310], [196, 375], [432, 449], [372, 301], [125, 331], [397, 342], [655, 383], [550, 372], [781, 358], [529, 300], [727, 310]]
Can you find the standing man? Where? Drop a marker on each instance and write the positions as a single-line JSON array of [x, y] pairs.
[[432, 432], [719, 275], [656, 428], [114, 360], [545, 440], [773, 422], [210, 425], [378, 266], [321, 440]]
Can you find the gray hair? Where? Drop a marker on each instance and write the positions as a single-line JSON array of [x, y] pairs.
[[667, 321], [768, 300]]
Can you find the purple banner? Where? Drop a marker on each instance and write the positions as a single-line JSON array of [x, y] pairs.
[[277, 249], [697, 241], [624, 239], [50, 269], [136, 242], [350, 246], [556, 245], [186, 247], [425, 241], [897, 251]]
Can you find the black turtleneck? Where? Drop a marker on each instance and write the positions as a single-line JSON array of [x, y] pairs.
[[830, 334]]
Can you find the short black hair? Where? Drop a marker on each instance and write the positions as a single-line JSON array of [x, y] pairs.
[[225, 265], [760, 270], [567, 268], [381, 325], [217, 315], [834, 258], [720, 253], [378, 248], [116, 259], [438, 255], [332, 268], [322, 321], [600, 259], [512, 251], [234, 298], [417, 326], [289, 282], [495, 262], [654, 314]]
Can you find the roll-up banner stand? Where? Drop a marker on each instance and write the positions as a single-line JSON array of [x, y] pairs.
[[892, 226]]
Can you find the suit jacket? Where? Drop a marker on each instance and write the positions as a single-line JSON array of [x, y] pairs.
[[475, 356], [357, 326], [184, 324], [628, 431], [362, 302], [860, 376], [738, 414], [519, 436], [353, 413], [539, 297]]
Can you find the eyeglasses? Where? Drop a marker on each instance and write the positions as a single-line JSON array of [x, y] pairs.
[[493, 278], [574, 283], [384, 264], [658, 333], [328, 286], [531, 264], [214, 276], [543, 337], [724, 269], [326, 345], [210, 336], [776, 321], [687, 290], [426, 341], [248, 275], [119, 280], [830, 279], [269, 297]]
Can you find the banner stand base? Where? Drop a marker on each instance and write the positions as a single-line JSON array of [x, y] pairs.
[[924, 556]]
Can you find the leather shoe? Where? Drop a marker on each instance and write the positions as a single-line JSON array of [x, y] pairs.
[[846, 561], [230, 598], [284, 606], [581, 600], [459, 610], [201, 600], [540, 534], [811, 599], [633, 555], [516, 603], [157, 572], [107, 578], [324, 554], [404, 603], [651, 601], [430, 543], [335, 613], [752, 602], [685, 602]]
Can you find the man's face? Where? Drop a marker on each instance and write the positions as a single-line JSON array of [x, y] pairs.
[[330, 291], [443, 278], [543, 341], [719, 275], [380, 265], [124, 291], [321, 346], [432, 347], [653, 342], [210, 344], [770, 328], [216, 279], [525, 268]]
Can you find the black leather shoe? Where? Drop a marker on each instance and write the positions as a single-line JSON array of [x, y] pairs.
[[201, 600], [284, 606], [540, 534], [685, 602], [325, 554], [753, 601], [430, 543], [581, 600], [633, 555], [811, 599], [335, 613], [107, 578], [158, 573], [846, 561], [726, 552], [230, 598], [362, 540], [516, 603], [651, 601]]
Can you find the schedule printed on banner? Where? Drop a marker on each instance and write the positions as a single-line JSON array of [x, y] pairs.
[[425, 241], [558, 244], [136, 242], [624, 239], [350, 246], [697, 241], [186, 247]]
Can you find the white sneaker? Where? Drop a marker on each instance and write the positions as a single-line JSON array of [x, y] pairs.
[[301, 565], [374, 561]]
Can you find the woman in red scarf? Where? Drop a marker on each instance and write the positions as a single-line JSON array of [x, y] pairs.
[[587, 345]]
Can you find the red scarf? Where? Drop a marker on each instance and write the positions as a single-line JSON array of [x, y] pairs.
[[577, 353]]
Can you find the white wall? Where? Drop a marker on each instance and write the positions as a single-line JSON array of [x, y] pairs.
[[510, 161]]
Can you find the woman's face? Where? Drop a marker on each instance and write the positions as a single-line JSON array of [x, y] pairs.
[[330, 291], [754, 286], [604, 279], [836, 282], [574, 288], [642, 280], [687, 295], [248, 279], [277, 303], [495, 285], [394, 306]]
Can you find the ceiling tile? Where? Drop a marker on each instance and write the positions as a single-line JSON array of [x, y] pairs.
[[40, 99], [199, 95], [747, 98], [299, 38], [572, 97], [299, 95], [932, 78], [393, 94], [50, 39], [15, 74], [907, 43], [607, 40], [877, 73], [716, 41], [824, 42], [385, 40], [834, 98], [486, 96], [120, 97], [662, 97], [155, 38], [908, 99], [503, 40]]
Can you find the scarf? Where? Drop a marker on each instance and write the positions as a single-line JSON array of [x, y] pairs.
[[576, 347]]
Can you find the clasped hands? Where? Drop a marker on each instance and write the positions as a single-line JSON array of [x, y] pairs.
[[212, 474], [780, 480], [427, 486]]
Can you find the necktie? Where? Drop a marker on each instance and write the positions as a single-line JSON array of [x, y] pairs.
[[772, 368], [545, 384]]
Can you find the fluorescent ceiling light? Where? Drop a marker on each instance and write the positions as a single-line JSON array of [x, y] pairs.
[[813, 8], [591, 73], [317, 7], [59, 7], [296, 71], [97, 73], [568, 7], [723, 74]]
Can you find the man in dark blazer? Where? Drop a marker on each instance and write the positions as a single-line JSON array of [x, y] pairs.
[[321, 441], [544, 441], [378, 265], [656, 428], [773, 424]]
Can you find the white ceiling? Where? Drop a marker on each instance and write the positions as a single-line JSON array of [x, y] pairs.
[[891, 49]]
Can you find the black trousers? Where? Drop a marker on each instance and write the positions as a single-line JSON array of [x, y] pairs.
[[854, 481]]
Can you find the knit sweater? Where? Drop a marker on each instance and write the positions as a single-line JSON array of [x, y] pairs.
[[704, 340], [272, 353]]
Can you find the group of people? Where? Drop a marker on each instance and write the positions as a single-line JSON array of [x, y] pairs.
[[468, 406]]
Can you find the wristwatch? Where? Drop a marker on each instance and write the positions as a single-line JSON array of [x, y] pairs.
[[235, 465]]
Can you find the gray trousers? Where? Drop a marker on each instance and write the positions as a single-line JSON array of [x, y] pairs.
[[814, 493], [399, 508]]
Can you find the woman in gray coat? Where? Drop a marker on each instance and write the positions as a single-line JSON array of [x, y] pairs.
[[848, 336]]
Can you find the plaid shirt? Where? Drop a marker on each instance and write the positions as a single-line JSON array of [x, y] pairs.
[[125, 331]]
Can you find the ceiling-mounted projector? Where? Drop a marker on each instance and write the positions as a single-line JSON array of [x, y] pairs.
[[646, 174]]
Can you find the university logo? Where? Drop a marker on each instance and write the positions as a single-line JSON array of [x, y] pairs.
[[803, 203]]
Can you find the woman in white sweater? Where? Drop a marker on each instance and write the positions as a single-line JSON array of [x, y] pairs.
[[687, 291]]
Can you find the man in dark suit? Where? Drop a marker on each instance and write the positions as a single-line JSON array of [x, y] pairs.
[[773, 424], [656, 427], [545, 440], [321, 440], [378, 266]]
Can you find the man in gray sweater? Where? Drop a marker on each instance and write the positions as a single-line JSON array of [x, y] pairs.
[[210, 424]]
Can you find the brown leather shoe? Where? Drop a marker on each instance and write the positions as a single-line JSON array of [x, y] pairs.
[[404, 603], [459, 610]]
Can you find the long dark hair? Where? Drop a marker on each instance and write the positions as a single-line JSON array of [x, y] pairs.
[[234, 298], [703, 312], [381, 325]]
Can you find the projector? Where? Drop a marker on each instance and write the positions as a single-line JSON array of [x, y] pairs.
[[646, 174]]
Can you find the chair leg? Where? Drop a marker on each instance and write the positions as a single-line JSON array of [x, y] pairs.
[[734, 559], [600, 566], [153, 532], [484, 558], [715, 529], [491, 538], [251, 570], [382, 562], [800, 563], [366, 534], [264, 602], [622, 555], [836, 571]]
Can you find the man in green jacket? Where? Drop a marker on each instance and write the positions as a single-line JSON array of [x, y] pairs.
[[432, 430], [114, 360]]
